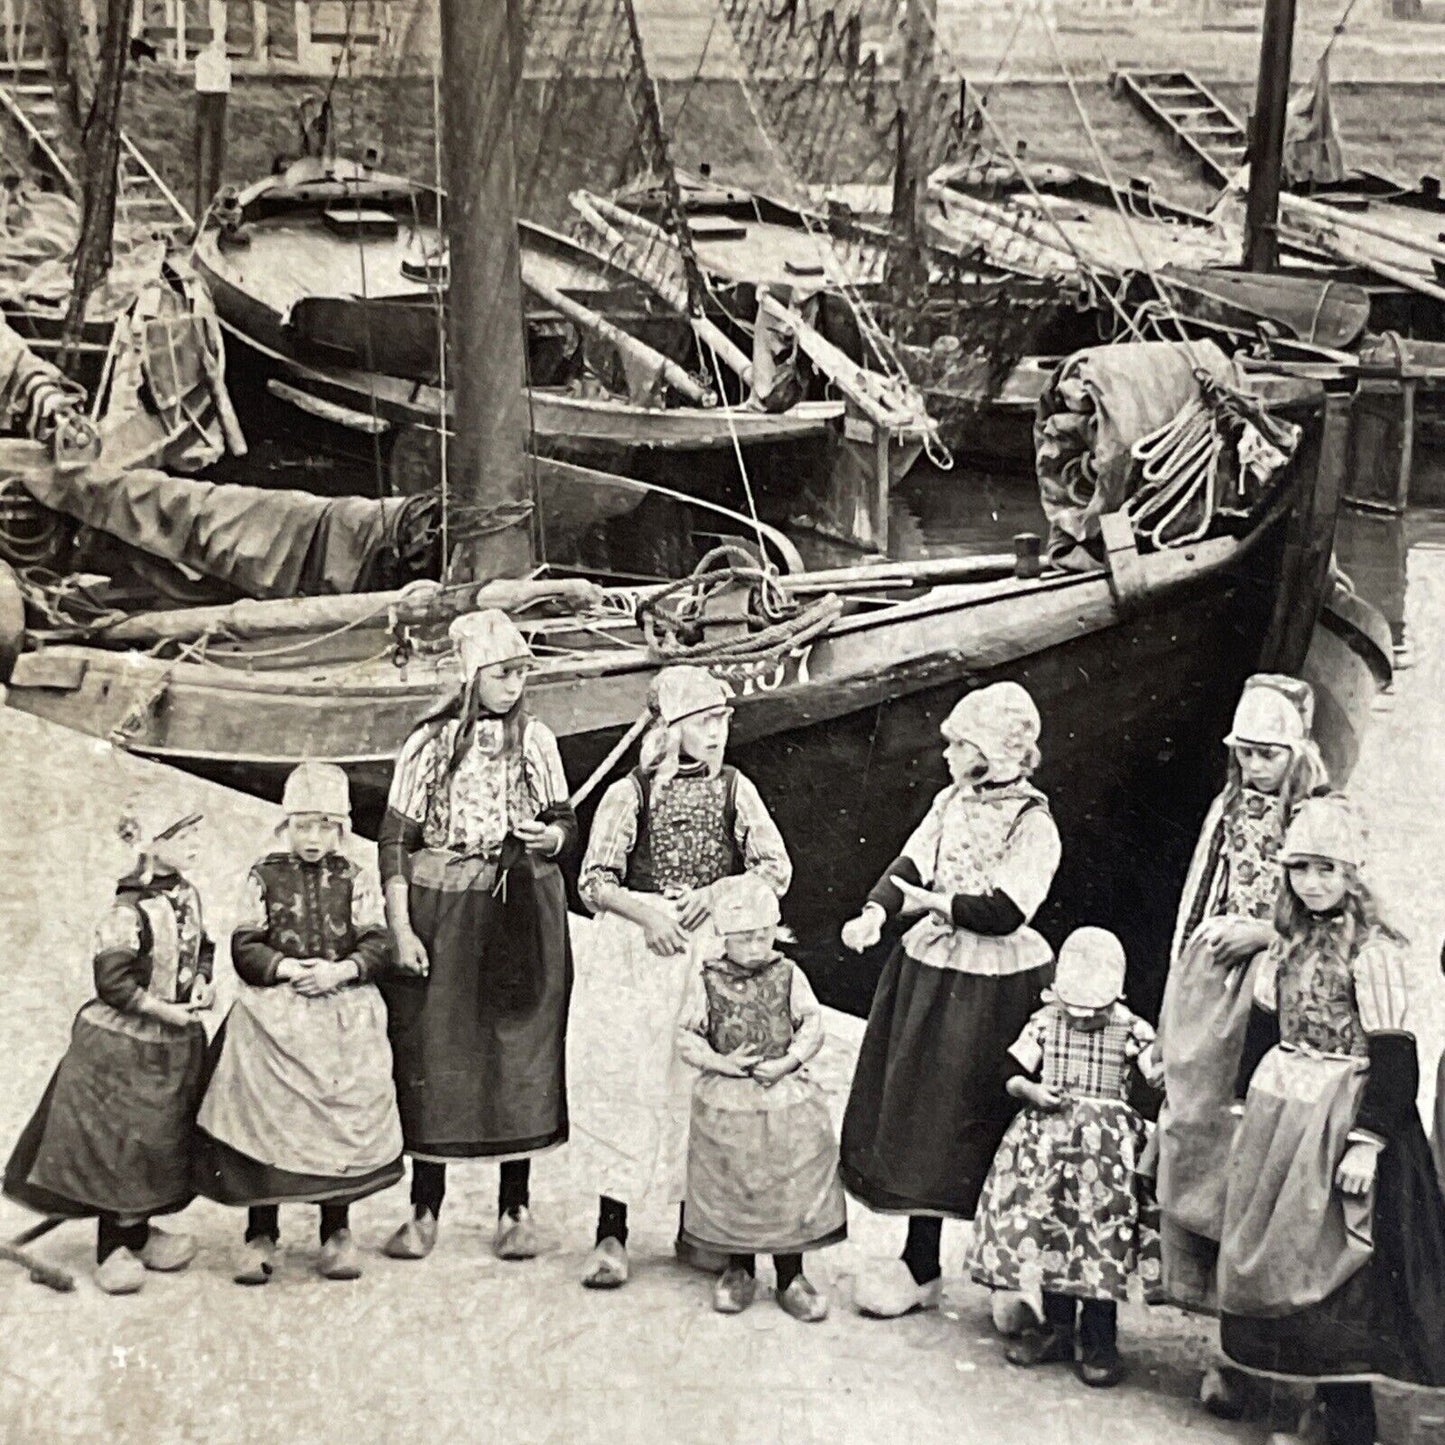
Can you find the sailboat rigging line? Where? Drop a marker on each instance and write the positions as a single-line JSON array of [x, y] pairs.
[[1336, 32], [346, 57], [727, 408], [1109, 178], [868, 325], [439, 295]]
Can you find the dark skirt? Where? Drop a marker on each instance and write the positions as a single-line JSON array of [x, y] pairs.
[[114, 1131], [1388, 1319], [230, 1177], [479, 1045], [928, 1107]]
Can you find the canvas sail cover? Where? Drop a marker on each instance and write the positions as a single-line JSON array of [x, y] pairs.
[[1312, 151], [261, 542]]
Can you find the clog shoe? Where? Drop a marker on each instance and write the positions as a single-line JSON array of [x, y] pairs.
[[1014, 1313], [1222, 1392], [802, 1301], [257, 1261], [889, 1290], [1044, 1346], [121, 1272], [415, 1239], [516, 1235], [1101, 1371], [734, 1291], [607, 1266], [339, 1257], [167, 1253]]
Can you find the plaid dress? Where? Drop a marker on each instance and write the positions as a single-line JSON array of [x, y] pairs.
[[1060, 1207]]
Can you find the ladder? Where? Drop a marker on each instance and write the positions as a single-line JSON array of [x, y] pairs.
[[1191, 114], [145, 206]]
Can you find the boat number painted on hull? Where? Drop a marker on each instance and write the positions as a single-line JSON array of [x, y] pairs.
[[767, 674]]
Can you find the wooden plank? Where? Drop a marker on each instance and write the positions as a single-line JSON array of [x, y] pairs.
[[1128, 578]]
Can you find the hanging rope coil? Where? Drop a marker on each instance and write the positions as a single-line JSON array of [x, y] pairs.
[[673, 620]]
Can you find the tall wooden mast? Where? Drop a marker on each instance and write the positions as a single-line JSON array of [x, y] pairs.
[[488, 464], [1266, 151], [907, 270]]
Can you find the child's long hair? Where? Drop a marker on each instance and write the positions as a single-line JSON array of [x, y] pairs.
[[659, 755], [1305, 778], [1360, 906], [466, 705]]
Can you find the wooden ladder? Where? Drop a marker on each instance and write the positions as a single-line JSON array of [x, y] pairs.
[[145, 205], [1191, 114]]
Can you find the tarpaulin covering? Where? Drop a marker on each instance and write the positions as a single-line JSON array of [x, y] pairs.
[[1312, 150], [1096, 406], [263, 543]]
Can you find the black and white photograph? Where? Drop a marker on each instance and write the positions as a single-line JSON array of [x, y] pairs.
[[722, 722]]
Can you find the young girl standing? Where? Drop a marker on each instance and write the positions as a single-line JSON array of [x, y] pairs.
[[1332, 1259], [301, 1106], [1060, 1208], [1224, 925], [477, 818], [762, 1163], [928, 1105], [112, 1135], [662, 836]]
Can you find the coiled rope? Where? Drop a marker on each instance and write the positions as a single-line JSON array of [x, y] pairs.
[[673, 619]]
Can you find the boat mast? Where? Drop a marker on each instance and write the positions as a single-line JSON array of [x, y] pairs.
[[488, 464], [1266, 151], [906, 271]]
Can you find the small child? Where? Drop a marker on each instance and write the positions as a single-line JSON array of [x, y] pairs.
[[1060, 1208], [762, 1162], [112, 1135], [1332, 1256], [301, 1106]]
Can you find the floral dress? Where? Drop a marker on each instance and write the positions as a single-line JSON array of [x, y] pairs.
[[1060, 1208]]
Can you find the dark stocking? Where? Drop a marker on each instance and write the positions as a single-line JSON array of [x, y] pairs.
[[334, 1217], [745, 1262], [514, 1189], [428, 1187], [263, 1221], [611, 1220], [111, 1235], [1099, 1329], [1349, 1414], [1059, 1312], [789, 1267], [920, 1253]]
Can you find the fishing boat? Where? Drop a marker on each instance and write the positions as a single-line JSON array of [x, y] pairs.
[[841, 677]]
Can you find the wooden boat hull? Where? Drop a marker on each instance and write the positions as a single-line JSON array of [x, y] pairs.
[[1135, 687]]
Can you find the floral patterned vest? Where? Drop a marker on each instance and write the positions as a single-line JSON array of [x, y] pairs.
[[750, 1007], [1315, 990], [685, 834], [172, 940], [308, 905], [1253, 835]]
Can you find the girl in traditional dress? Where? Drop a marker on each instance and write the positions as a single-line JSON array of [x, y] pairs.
[[112, 1135], [762, 1162], [1332, 1258], [928, 1106], [661, 838], [301, 1106], [1060, 1208], [1224, 925], [477, 818]]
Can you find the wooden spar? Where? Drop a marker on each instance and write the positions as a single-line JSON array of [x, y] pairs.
[[420, 604], [907, 263], [490, 492], [1314, 211], [596, 212], [863, 388], [1010, 220], [1266, 150], [635, 350], [1363, 259]]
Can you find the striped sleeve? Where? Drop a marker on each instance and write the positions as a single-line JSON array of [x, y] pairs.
[[1382, 987]]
